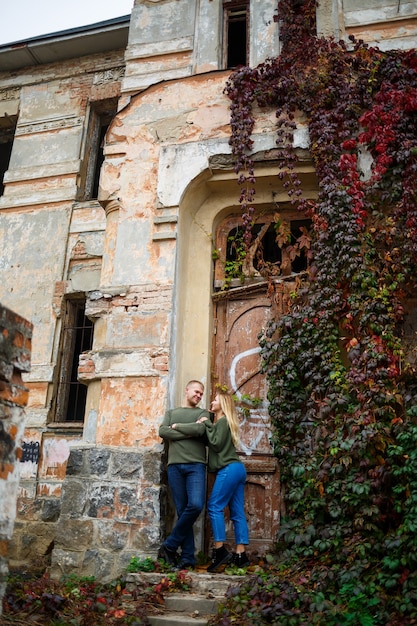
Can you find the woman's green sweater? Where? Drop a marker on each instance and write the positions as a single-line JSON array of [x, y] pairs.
[[222, 451]]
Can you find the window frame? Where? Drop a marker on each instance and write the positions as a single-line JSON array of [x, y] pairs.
[[227, 225], [99, 120], [8, 125], [66, 382], [231, 7]]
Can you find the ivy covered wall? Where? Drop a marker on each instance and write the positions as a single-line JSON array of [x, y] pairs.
[[340, 363]]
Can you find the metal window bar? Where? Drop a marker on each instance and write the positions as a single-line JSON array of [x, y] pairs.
[[77, 338]]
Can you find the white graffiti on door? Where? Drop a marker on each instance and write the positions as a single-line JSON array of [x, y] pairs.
[[253, 420]]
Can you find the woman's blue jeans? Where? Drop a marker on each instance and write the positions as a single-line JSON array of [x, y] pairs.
[[228, 489], [187, 482]]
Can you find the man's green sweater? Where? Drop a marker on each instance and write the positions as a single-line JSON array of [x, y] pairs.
[[188, 443]]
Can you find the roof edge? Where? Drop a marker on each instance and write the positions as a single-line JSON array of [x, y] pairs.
[[68, 33]]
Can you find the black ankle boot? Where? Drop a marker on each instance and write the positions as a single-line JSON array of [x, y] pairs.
[[167, 555], [241, 559], [219, 557]]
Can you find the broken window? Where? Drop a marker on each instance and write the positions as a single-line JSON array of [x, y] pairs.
[[280, 246], [76, 338], [235, 33], [7, 132], [101, 116]]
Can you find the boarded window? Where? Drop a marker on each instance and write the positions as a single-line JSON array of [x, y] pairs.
[[76, 337], [235, 33]]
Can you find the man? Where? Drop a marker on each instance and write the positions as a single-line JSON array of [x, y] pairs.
[[187, 458]]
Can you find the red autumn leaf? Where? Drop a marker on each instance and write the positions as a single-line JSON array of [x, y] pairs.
[[349, 144]]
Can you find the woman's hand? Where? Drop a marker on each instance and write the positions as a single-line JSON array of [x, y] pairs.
[[202, 419]]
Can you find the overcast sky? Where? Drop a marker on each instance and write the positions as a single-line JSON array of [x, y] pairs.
[[22, 19]]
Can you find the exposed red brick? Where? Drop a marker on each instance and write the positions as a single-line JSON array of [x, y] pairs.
[[5, 470], [4, 546]]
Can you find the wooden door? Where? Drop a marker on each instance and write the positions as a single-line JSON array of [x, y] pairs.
[[240, 315], [241, 311]]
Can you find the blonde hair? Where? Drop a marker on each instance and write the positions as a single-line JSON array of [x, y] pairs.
[[228, 407]]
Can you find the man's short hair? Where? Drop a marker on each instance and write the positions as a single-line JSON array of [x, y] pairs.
[[194, 382]]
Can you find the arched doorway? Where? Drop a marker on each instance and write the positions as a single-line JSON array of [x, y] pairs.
[[216, 328]]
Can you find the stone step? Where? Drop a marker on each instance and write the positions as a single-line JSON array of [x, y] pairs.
[[181, 608], [175, 619], [200, 582], [196, 606], [191, 603]]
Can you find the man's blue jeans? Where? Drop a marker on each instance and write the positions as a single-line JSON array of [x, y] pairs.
[[229, 489], [187, 482]]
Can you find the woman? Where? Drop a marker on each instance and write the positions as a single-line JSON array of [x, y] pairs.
[[229, 485]]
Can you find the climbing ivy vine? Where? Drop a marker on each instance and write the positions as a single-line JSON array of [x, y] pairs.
[[341, 372]]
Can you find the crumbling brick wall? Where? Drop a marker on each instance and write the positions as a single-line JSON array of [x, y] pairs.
[[15, 351]]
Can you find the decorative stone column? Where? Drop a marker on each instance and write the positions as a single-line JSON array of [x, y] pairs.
[[111, 207]]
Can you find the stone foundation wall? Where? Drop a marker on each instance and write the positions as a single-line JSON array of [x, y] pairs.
[[110, 511], [34, 531], [15, 350]]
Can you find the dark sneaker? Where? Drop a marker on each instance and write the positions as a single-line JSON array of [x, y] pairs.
[[185, 565], [241, 559], [167, 555], [219, 557]]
